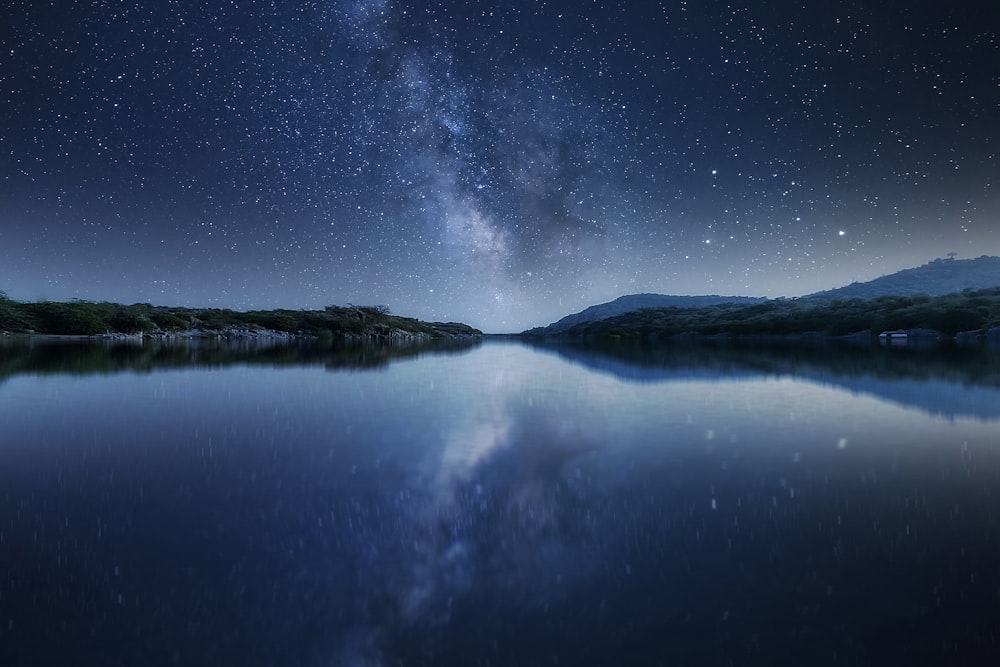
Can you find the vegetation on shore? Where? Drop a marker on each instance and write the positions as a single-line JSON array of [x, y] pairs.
[[93, 318], [967, 311]]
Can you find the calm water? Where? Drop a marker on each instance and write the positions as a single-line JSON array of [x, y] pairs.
[[498, 505]]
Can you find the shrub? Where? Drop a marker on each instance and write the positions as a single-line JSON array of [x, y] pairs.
[[12, 315], [131, 320], [277, 320], [170, 321], [75, 318]]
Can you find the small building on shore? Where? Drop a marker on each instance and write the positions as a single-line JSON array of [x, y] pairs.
[[895, 336]]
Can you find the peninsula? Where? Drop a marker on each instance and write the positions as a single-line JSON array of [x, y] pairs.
[[87, 318]]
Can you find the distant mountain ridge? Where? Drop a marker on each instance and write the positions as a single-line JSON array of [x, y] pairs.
[[631, 302], [936, 278]]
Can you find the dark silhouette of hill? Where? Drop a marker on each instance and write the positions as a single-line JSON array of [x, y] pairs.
[[970, 312], [632, 302], [937, 278]]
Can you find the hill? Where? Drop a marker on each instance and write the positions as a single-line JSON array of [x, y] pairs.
[[967, 311], [937, 278], [632, 302]]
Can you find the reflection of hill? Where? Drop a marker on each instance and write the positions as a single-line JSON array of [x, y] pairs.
[[87, 357], [945, 381]]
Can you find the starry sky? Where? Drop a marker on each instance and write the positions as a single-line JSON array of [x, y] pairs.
[[497, 163]]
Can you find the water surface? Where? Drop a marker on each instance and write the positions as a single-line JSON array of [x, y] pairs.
[[498, 505]]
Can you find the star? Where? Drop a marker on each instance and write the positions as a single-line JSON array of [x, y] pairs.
[[301, 155]]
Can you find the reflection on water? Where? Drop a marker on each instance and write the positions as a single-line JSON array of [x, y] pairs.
[[943, 380], [21, 355], [502, 506]]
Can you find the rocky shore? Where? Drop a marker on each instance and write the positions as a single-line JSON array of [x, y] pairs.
[[395, 336]]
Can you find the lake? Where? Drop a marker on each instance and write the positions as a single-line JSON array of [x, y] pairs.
[[498, 504]]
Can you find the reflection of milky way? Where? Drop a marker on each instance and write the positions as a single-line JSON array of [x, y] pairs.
[[499, 164], [511, 523]]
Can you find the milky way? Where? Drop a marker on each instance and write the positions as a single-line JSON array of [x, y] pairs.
[[500, 164]]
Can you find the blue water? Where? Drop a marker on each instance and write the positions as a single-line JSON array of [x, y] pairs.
[[501, 505]]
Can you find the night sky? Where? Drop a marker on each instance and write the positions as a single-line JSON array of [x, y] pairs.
[[497, 163]]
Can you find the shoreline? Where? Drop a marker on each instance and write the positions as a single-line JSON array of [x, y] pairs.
[[243, 334], [914, 338]]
